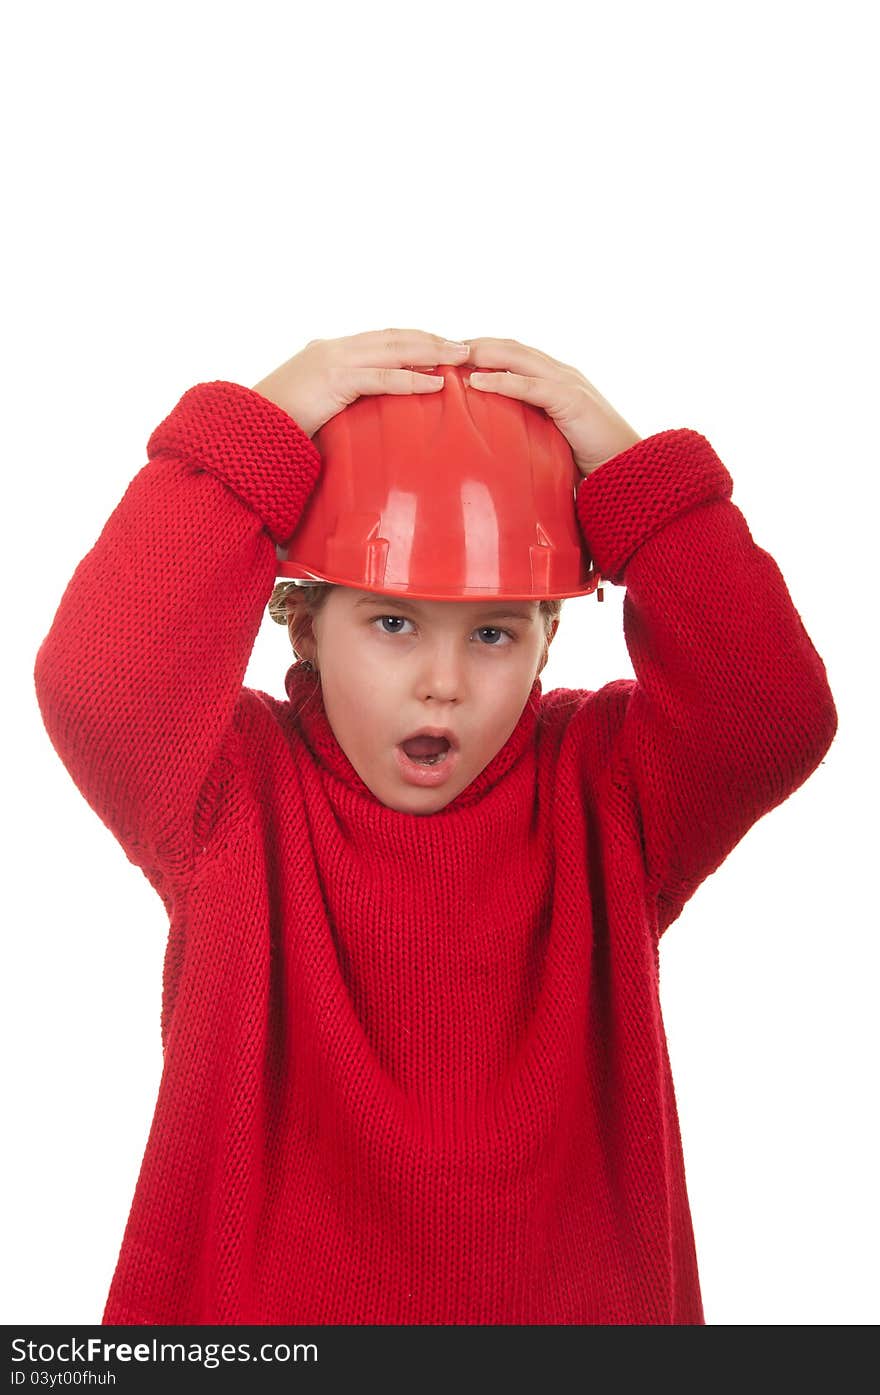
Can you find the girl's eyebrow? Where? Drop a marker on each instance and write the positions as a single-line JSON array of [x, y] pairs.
[[400, 603]]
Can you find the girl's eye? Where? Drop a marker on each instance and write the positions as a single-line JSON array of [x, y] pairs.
[[482, 629]]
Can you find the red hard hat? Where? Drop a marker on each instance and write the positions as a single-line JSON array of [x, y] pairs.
[[448, 496]]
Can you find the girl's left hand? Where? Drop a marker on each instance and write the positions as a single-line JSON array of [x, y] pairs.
[[591, 426]]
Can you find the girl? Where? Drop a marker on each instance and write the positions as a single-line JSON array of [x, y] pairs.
[[414, 1063]]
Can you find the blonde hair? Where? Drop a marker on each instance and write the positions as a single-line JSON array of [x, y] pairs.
[[295, 606]]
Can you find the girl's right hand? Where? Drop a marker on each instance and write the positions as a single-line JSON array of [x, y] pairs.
[[329, 374]]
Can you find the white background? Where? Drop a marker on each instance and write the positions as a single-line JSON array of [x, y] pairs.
[[676, 198]]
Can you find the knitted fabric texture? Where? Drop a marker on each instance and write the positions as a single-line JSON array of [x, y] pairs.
[[415, 1070]]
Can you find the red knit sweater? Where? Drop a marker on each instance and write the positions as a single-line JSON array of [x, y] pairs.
[[415, 1068]]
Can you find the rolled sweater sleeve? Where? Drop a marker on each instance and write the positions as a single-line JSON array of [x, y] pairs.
[[730, 710], [138, 677]]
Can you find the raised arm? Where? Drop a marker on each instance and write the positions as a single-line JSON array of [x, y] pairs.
[[140, 672], [730, 710]]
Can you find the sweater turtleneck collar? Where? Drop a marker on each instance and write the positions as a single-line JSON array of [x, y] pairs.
[[307, 709]]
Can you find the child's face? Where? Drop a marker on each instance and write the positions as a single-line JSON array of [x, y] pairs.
[[449, 664]]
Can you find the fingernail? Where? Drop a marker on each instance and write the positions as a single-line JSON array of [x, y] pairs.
[[456, 347]]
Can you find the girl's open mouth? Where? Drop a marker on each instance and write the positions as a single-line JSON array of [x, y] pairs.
[[426, 770]]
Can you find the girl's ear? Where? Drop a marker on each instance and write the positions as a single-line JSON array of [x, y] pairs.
[[299, 627], [545, 653]]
